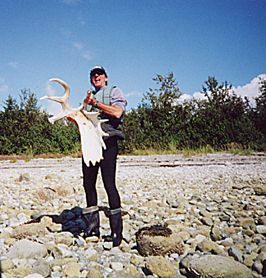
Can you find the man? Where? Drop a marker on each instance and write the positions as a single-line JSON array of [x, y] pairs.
[[111, 103]]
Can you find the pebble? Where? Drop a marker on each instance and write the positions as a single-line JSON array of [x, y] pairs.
[[215, 204], [261, 229], [236, 254], [117, 266]]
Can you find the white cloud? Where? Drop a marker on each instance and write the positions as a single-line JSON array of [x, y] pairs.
[[197, 95], [78, 45], [250, 90], [186, 97], [87, 55], [13, 64]]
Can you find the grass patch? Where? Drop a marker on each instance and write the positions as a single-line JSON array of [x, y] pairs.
[[199, 151], [188, 152], [239, 149], [170, 150]]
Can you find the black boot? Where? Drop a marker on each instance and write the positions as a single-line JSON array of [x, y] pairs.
[[92, 220], [116, 225]]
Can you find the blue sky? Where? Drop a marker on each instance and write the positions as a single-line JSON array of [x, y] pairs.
[[134, 40]]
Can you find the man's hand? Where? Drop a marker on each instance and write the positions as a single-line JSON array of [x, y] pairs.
[[89, 99]]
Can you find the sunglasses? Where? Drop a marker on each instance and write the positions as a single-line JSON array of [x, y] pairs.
[[98, 71]]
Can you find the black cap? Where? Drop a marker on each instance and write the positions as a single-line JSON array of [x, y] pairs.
[[99, 70]]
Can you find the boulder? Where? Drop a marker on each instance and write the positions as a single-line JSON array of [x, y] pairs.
[[158, 241], [161, 267], [27, 249], [216, 266], [28, 230]]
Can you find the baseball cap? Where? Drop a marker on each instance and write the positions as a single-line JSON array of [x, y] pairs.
[[97, 69]]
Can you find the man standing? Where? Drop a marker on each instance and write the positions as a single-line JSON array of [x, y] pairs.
[[111, 103]]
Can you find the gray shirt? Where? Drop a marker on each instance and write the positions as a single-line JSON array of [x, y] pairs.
[[118, 98]]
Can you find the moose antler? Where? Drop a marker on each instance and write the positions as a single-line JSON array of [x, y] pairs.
[[91, 133]]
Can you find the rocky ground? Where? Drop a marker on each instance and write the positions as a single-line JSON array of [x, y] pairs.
[[207, 215]]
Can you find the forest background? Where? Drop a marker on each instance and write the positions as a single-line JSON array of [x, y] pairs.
[[162, 123]]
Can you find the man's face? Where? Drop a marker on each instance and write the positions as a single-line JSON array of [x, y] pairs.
[[98, 80]]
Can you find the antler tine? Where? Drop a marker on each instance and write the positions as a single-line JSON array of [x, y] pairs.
[[63, 83]]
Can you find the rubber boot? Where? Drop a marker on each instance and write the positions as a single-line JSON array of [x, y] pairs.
[[92, 220], [116, 226]]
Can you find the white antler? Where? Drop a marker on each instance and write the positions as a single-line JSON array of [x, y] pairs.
[[91, 133]]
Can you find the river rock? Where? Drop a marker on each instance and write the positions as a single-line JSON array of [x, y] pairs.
[[6, 265], [236, 254], [24, 177], [132, 272], [261, 229], [117, 266], [207, 245], [260, 189], [258, 266], [158, 241], [64, 190], [216, 233], [28, 230], [46, 194], [25, 248], [94, 273], [19, 271], [206, 221], [161, 267], [216, 266], [249, 259], [129, 271], [72, 270], [65, 238], [262, 220], [246, 222], [50, 225], [41, 267]]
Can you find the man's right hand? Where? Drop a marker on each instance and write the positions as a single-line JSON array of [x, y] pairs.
[[88, 99]]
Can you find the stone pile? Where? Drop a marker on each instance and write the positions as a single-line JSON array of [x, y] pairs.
[[212, 207]]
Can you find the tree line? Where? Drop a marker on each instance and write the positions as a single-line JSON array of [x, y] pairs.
[[161, 121]]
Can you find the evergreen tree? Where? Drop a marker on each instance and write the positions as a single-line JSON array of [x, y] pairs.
[[25, 129]]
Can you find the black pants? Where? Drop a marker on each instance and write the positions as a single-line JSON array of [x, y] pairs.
[[108, 172]]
